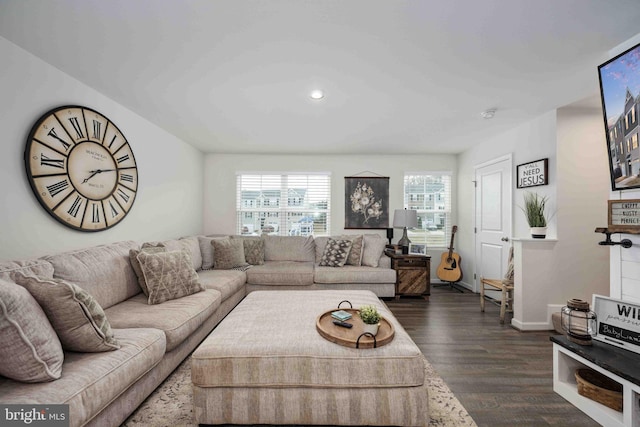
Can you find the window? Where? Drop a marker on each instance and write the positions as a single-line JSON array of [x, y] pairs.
[[287, 204], [430, 195]]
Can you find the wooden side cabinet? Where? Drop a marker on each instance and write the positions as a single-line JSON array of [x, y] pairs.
[[413, 274]]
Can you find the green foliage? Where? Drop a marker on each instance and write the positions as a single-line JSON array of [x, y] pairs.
[[534, 209], [369, 314]]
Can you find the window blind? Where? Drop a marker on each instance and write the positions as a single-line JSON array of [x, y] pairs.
[[285, 204], [430, 194]]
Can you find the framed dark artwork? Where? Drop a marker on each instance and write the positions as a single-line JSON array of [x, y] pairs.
[[533, 174], [366, 202], [620, 95]]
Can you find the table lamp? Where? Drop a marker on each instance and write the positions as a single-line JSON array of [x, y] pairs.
[[403, 218]]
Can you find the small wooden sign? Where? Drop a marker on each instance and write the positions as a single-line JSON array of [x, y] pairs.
[[618, 322], [533, 174], [624, 215]]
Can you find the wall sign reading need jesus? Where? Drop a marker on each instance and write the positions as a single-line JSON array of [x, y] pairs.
[[533, 174]]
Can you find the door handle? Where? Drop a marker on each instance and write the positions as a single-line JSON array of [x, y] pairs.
[[505, 239]]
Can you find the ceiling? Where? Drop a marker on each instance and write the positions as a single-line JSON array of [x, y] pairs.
[[399, 76]]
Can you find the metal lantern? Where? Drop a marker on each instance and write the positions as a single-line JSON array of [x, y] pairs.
[[578, 321]]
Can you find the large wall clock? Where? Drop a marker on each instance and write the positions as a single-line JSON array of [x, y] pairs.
[[81, 168]]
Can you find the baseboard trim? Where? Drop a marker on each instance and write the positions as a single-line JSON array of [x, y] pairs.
[[530, 326]]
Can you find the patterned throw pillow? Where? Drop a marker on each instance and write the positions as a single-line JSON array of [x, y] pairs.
[[133, 257], [169, 275], [30, 350], [228, 253], [253, 251], [75, 315], [335, 253], [357, 246]]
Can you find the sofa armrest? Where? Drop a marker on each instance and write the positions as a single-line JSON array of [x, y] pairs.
[[384, 262]]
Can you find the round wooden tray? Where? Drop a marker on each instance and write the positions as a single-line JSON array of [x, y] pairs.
[[349, 337]]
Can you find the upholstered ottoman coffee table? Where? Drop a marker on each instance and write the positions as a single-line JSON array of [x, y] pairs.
[[265, 363]]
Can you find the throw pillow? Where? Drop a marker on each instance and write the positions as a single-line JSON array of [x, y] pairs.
[[373, 249], [30, 350], [75, 315], [206, 248], [335, 253], [133, 257], [228, 253], [169, 275], [253, 251], [357, 246]]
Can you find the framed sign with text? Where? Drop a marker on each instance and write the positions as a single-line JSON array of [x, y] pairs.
[[618, 322], [533, 174], [624, 215]]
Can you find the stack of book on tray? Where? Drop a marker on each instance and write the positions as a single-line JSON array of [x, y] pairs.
[[341, 315]]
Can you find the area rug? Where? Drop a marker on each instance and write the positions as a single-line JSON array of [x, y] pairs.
[[171, 403]]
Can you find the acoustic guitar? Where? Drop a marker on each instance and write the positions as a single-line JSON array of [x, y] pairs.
[[449, 268]]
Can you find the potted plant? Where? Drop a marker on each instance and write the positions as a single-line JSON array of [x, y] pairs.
[[371, 318], [534, 210]]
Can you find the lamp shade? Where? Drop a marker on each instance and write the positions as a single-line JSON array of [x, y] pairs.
[[405, 218]]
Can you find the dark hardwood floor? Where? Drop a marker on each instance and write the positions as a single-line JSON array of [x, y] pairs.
[[503, 377]]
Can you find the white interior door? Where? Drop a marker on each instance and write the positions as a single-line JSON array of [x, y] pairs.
[[493, 218]]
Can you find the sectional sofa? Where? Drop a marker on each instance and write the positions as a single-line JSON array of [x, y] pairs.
[[141, 308]]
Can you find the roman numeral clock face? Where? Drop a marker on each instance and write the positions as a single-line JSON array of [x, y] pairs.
[[81, 168]]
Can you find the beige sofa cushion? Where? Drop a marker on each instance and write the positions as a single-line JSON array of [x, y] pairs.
[[168, 275], [104, 271], [353, 274], [292, 273], [36, 267], [260, 352], [177, 318], [75, 315], [289, 248], [92, 381], [227, 282], [30, 349]]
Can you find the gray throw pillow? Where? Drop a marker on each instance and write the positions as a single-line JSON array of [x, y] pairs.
[[30, 350], [357, 247], [335, 253], [169, 275], [253, 251], [228, 253], [133, 257], [75, 315]]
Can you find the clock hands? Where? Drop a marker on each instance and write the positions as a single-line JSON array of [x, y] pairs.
[[96, 172]]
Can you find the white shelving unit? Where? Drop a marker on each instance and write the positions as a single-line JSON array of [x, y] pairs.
[[565, 363]]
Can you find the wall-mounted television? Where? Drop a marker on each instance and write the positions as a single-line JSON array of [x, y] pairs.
[[620, 92]]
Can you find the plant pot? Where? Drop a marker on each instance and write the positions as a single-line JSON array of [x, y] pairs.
[[538, 232], [373, 329]]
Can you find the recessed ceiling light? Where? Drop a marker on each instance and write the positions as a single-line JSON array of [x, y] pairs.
[[488, 114], [317, 94]]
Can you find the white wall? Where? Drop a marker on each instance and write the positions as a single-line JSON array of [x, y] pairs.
[[575, 265], [169, 200], [531, 141], [220, 181]]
